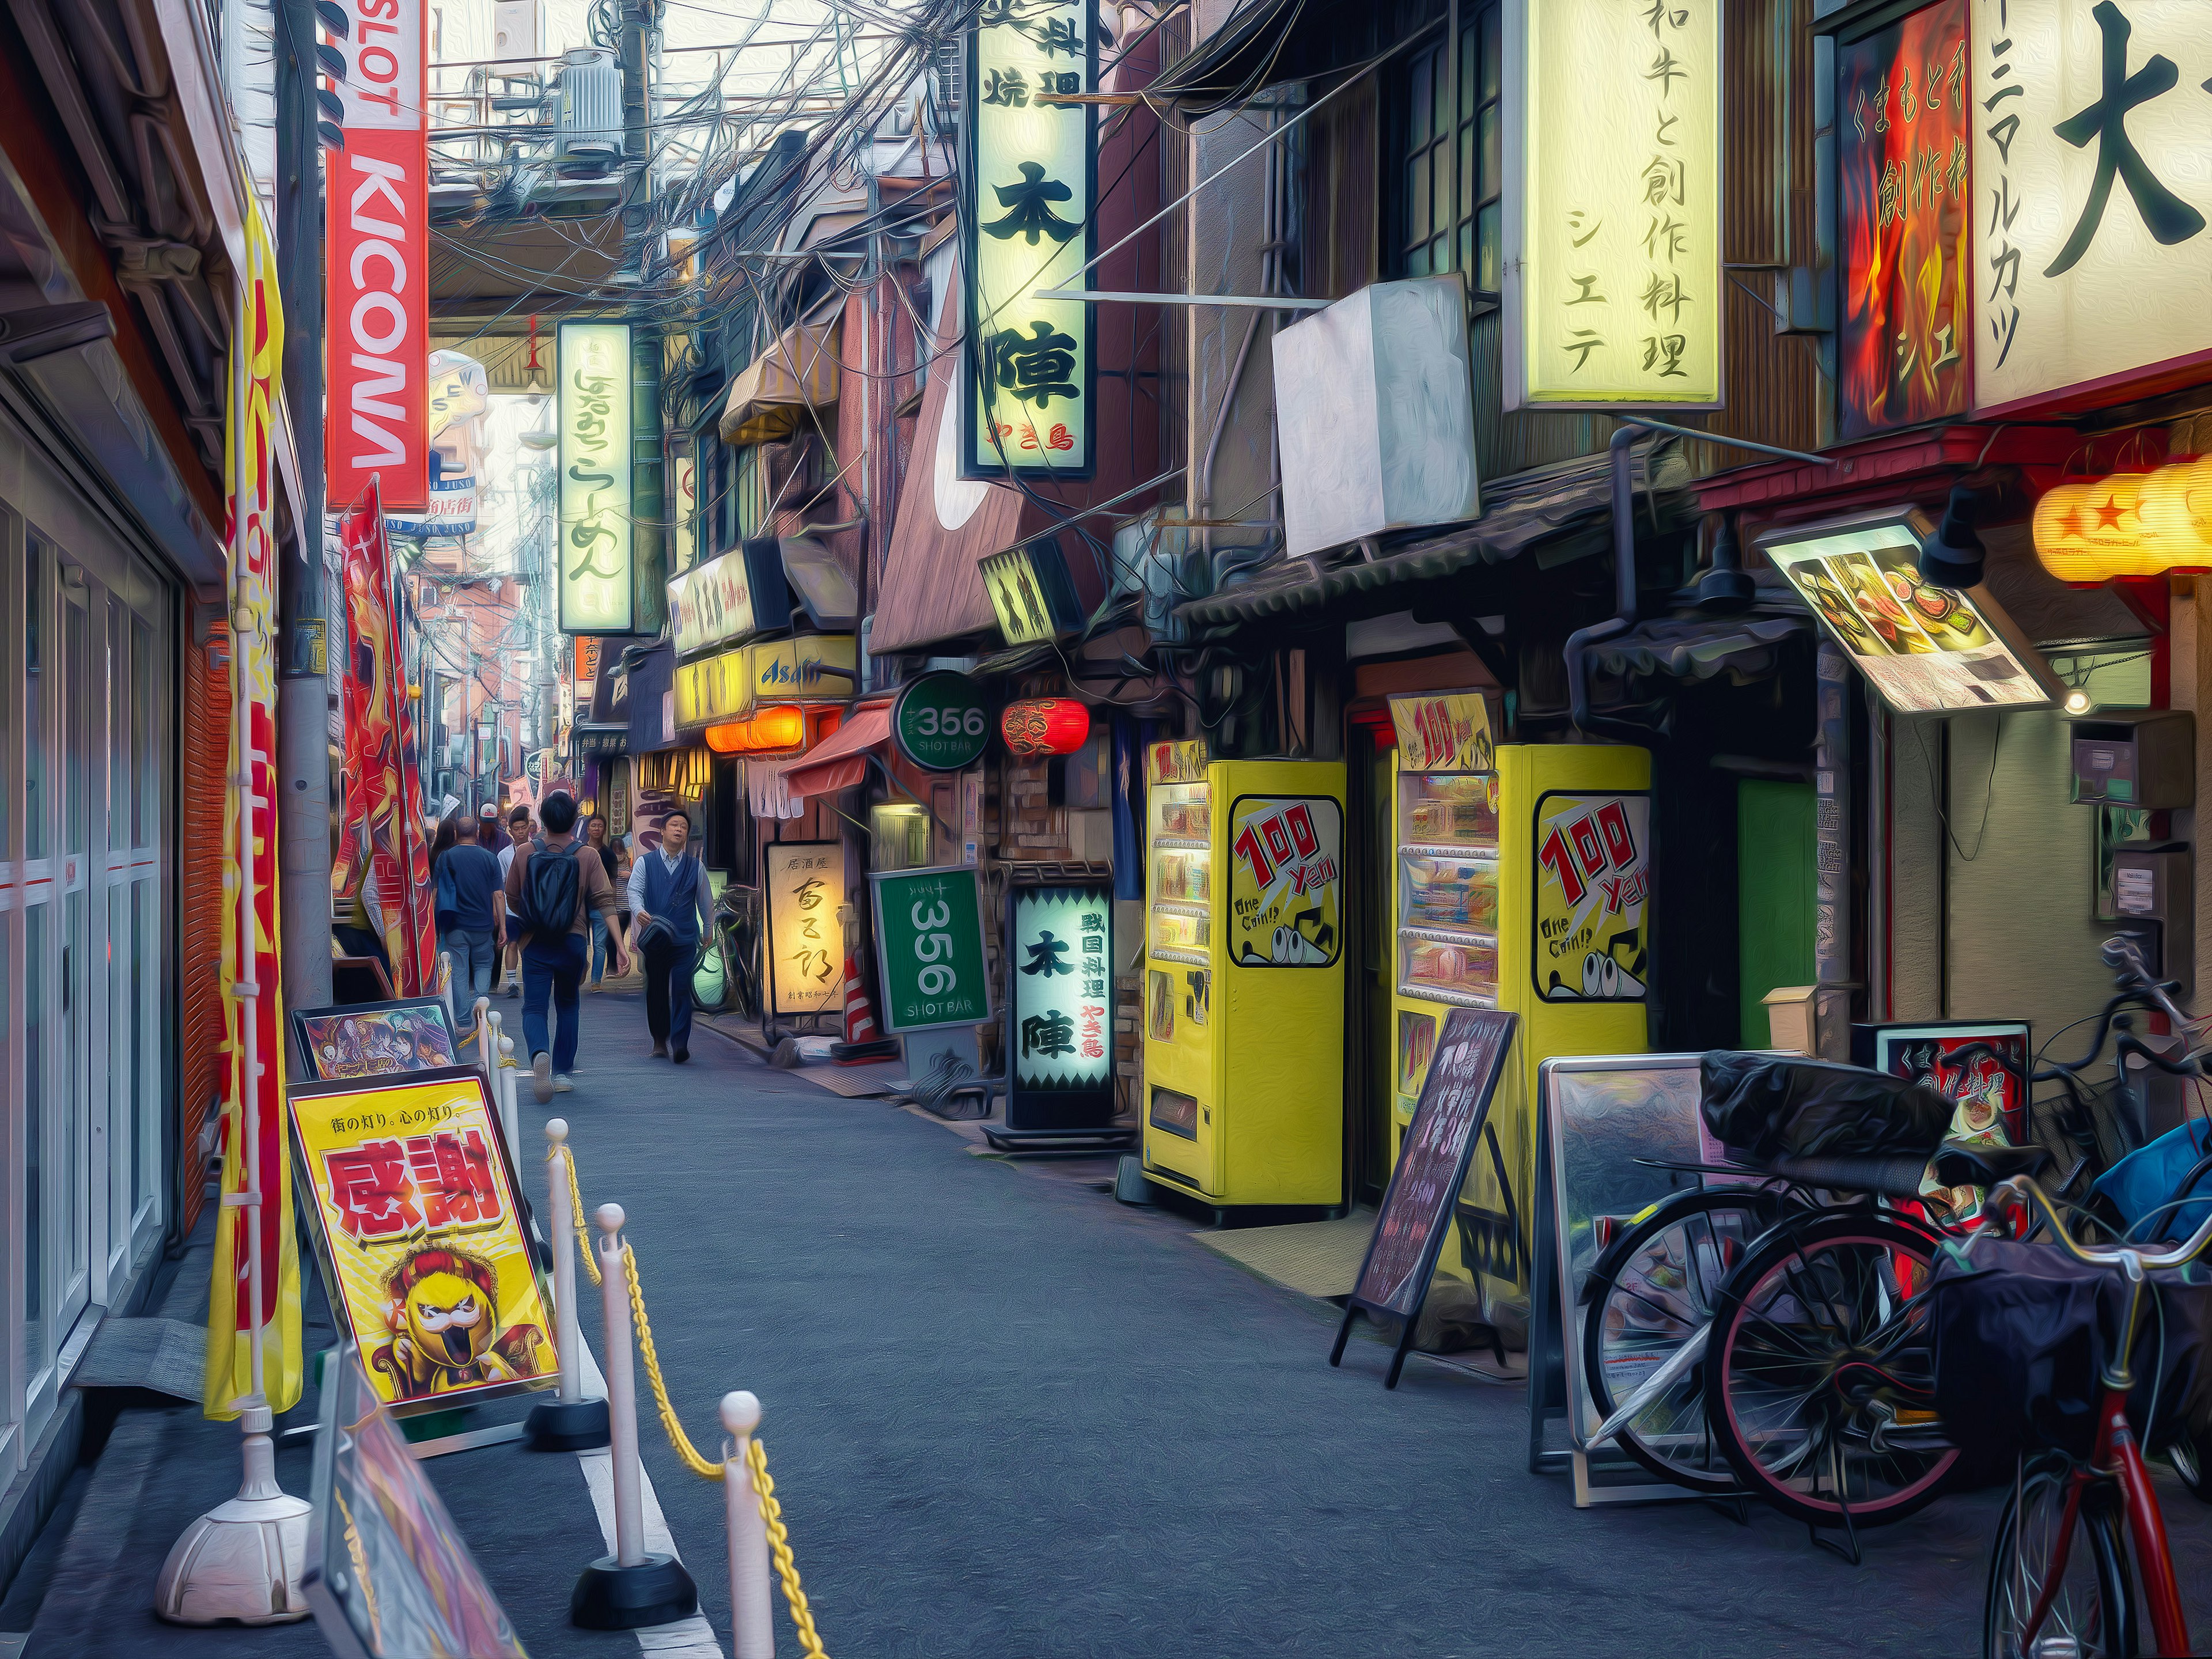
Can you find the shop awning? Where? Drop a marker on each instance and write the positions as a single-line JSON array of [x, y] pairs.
[[1744, 648], [771, 398], [1544, 504], [841, 761], [1265, 43]]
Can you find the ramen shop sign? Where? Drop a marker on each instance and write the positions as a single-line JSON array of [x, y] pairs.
[[594, 529]]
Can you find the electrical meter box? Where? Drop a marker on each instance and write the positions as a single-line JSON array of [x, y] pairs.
[[2140, 757], [2152, 883]]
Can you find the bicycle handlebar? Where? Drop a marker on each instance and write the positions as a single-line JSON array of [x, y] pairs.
[[2121, 954], [2127, 1257]]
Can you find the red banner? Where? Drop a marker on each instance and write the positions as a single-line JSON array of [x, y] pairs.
[[380, 751], [377, 309]]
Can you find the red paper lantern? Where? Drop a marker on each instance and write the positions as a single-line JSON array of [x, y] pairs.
[[1045, 725]]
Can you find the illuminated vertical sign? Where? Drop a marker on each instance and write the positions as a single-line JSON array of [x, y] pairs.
[[2093, 186], [1613, 287], [1904, 159], [377, 281], [1029, 191], [683, 504], [594, 528]]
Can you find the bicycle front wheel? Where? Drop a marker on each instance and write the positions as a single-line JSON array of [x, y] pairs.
[[1657, 1289], [2058, 1581], [1820, 1344]]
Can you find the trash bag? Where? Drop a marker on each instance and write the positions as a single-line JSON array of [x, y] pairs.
[[1779, 1107], [2022, 1332], [2149, 1178]]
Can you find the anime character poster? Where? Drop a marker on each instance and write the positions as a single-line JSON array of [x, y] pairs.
[[1593, 890], [1286, 878], [420, 1221], [374, 1040], [1982, 1067]]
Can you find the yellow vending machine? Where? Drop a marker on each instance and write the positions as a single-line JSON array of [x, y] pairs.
[[1522, 882], [1243, 1010]]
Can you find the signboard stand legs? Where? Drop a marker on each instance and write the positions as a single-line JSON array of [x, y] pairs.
[[1547, 1359]]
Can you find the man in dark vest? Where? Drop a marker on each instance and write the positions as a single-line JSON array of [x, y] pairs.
[[672, 908]]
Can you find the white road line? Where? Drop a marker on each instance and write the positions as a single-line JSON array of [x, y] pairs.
[[688, 1638]]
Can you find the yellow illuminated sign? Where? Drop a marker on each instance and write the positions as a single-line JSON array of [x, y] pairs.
[[713, 690], [812, 668], [1613, 286], [594, 529], [2132, 523], [1443, 731]]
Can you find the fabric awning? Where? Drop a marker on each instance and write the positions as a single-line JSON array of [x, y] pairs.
[[771, 398], [1744, 648], [1542, 505], [841, 761], [765, 790]]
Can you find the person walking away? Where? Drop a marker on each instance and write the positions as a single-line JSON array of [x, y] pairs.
[[517, 824], [468, 879], [595, 844], [490, 836], [549, 890], [622, 874], [669, 901]]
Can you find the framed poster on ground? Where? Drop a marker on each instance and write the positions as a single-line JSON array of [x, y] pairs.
[[929, 947], [373, 1039], [805, 882], [1981, 1064], [1452, 1117], [418, 1224], [1060, 1013]]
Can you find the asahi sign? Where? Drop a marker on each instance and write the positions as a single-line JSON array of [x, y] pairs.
[[2093, 186], [594, 531], [377, 297]]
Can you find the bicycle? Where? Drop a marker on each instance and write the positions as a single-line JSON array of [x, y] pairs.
[[2043, 1600]]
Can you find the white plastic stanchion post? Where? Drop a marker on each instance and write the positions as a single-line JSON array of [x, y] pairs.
[[621, 1391], [482, 1016], [752, 1614], [568, 1422], [446, 959], [510, 1114]]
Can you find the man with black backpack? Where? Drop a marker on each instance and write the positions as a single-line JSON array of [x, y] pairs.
[[550, 892]]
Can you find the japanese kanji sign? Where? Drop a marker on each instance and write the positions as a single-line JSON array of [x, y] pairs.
[[1060, 1016], [1904, 159], [1612, 288], [419, 1221], [1029, 190], [594, 531], [806, 943], [2092, 181]]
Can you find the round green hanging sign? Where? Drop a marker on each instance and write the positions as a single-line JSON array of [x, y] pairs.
[[940, 722]]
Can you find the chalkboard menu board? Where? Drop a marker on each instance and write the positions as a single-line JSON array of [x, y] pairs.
[[1462, 1079]]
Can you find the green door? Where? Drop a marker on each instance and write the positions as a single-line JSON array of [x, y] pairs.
[[1774, 894]]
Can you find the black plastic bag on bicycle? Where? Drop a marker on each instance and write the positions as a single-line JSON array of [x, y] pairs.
[[1771, 1106], [2022, 1333]]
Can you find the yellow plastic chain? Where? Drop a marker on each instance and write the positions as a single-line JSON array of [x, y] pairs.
[[576, 1215], [684, 1449], [779, 1543]]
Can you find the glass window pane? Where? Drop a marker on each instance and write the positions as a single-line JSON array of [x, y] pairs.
[[1423, 78], [1417, 263], [1486, 276], [1467, 250], [1491, 51], [1418, 218], [149, 796], [1469, 59], [145, 1038], [37, 644], [122, 1105], [119, 753], [1486, 163], [38, 1042], [1466, 177], [75, 720]]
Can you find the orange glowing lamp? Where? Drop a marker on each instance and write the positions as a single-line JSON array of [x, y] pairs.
[[782, 727], [2132, 523], [1045, 725]]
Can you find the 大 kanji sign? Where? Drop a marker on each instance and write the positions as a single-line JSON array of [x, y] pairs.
[[1029, 190], [1613, 197], [2092, 179]]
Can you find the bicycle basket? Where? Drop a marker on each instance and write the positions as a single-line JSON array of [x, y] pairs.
[[1779, 1107], [2150, 1179], [2022, 1332]]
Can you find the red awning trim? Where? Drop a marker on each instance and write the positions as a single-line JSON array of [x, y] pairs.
[[842, 761]]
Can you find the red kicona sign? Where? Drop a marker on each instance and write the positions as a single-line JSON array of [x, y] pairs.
[[377, 278]]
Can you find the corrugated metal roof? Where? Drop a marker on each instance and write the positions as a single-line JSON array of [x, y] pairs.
[[1744, 647], [1519, 513]]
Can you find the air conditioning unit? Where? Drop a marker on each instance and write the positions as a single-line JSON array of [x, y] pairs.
[[588, 121], [1165, 567]]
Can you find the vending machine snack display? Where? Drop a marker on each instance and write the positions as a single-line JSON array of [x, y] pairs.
[[1244, 997], [1521, 881]]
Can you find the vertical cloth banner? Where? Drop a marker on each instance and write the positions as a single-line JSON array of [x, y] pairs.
[[377, 295], [380, 750], [249, 885]]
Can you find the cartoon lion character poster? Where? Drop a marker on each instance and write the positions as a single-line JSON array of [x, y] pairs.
[[443, 1315]]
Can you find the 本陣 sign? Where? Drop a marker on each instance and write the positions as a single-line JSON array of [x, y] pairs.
[[377, 289], [1593, 887], [2092, 179], [1060, 1025], [929, 948], [1902, 155], [806, 946], [595, 533], [1928, 650], [1026, 210], [1284, 879], [1613, 289], [421, 1232], [1443, 731]]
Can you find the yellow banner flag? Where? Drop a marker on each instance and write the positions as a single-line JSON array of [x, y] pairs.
[[253, 1010]]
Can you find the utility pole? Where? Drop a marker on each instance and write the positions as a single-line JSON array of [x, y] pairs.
[[303, 764], [650, 564]]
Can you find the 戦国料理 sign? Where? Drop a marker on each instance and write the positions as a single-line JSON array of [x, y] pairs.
[[593, 529], [929, 948], [1060, 1024], [1612, 288], [2093, 183], [1027, 195]]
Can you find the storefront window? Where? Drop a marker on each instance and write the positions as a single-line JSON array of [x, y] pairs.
[[901, 836], [1445, 127]]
